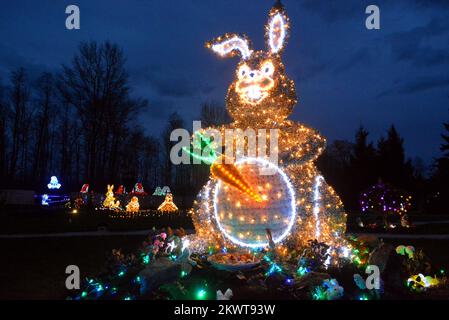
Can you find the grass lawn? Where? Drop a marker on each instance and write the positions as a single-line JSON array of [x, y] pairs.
[[35, 268], [63, 220]]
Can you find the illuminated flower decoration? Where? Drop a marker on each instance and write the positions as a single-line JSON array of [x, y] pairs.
[[329, 290], [409, 251], [420, 281]]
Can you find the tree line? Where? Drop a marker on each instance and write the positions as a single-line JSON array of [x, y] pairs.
[[81, 124], [351, 167]]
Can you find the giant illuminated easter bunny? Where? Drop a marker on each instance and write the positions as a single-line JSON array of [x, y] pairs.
[[298, 204]]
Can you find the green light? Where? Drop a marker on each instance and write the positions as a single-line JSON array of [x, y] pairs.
[[138, 279], [201, 294], [267, 258], [183, 274], [83, 294], [121, 273], [302, 271], [201, 142], [363, 297], [146, 259], [319, 294]]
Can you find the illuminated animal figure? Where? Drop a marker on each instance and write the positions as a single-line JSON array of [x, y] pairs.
[[168, 204], [110, 202], [54, 183], [133, 205], [300, 205]]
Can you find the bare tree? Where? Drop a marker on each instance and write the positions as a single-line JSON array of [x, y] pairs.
[[44, 116], [174, 122], [3, 136], [96, 84], [19, 99], [213, 114]]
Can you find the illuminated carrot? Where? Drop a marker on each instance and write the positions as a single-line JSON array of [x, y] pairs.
[[226, 172], [230, 174]]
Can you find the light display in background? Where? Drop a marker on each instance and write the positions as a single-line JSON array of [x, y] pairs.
[[244, 221], [109, 202], [133, 205], [168, 204], [161, 191], [384, 198], [262, 97], [85, 188], [44, 200], [138, 189], [50, 200], [121, 190], [54, 183]]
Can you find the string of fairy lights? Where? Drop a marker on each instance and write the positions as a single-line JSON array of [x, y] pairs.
[[260, 97], [246, 217]]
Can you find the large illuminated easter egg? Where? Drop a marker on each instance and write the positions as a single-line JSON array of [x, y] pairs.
[[245, 221]]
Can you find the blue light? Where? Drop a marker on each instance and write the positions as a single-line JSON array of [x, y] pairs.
[[44, 200], [54, 183]]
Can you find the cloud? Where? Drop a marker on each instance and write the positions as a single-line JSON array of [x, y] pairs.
[[418, 85], [360, 57], [417, 46], [424, 84], [170, 84]]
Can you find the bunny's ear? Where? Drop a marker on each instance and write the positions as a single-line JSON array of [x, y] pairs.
[[277, 29], [231, 44]]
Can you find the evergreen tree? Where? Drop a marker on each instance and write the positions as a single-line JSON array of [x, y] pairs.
[[391, 155], [443, 162], [363, 168]]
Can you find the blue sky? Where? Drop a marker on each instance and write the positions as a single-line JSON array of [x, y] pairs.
[[345, 75]]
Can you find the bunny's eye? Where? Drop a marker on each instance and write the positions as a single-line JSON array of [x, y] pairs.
[[243, 71], [267, 68]]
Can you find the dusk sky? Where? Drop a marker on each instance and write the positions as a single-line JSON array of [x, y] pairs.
[[346, 75]]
